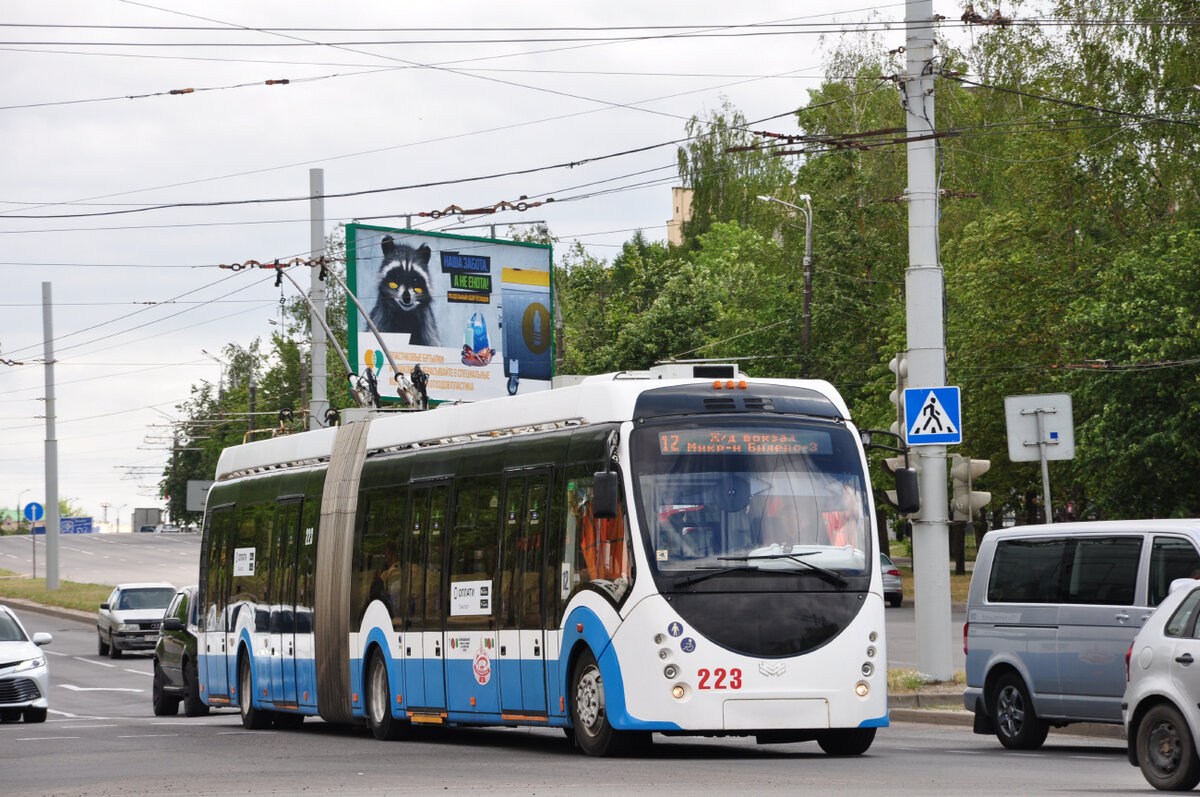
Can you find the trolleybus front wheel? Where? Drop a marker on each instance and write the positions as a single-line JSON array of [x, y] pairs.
[[853, 741], [593, 733]]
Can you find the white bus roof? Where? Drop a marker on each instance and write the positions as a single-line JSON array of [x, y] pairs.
[[596, 399]]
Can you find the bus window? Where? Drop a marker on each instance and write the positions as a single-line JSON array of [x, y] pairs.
[[595, 551]]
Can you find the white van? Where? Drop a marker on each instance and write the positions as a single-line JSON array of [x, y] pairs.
[[1052, 612]]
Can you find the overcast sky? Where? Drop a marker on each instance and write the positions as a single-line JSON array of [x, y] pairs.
[[382, 95]]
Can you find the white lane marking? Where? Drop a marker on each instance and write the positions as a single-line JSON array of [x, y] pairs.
[[233, 733], [147, 735], [97, 663], [138, 672], [87, 727], [44, 738], [55, 653], [75, 688]]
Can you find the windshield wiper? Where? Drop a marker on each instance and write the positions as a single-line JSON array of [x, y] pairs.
[[829, 575], [720, 571]]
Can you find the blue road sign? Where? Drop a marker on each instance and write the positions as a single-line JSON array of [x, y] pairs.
[[932, 416], [34, 511]]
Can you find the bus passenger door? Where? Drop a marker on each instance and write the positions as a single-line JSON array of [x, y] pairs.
[[506, 616], [435, 604], [283, 604], [220, 565], [532, 624]]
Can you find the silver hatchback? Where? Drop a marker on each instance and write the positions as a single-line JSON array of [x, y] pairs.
[[1161, 706]]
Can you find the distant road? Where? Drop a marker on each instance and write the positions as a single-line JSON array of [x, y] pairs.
[[109, 558]]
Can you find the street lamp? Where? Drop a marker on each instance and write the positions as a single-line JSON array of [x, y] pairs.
[[806, 316], [32, 538], [122, 506]]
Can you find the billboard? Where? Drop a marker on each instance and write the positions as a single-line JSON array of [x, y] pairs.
[[475, 313]]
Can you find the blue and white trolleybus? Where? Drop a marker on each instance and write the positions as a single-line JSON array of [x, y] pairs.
[[638, 553]]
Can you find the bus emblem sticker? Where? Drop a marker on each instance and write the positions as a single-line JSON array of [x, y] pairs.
[[482, 667]]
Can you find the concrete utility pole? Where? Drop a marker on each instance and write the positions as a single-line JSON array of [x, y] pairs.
[[925, 309], [319, 403], [52, 519]]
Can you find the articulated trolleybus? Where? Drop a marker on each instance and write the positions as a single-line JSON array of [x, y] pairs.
[[635, 554]]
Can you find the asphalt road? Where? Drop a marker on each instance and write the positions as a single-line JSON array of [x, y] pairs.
[[109, 558], [102, 739]]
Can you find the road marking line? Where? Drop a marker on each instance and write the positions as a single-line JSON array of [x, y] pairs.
[[147, 735], [97, 663], [75, 688], [138, 672], [44, 738]]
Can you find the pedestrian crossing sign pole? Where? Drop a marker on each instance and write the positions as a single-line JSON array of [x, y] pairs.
[[932, 416]]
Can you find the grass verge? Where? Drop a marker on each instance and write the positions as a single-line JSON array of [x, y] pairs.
[[907, 682], [69, 595], [959, 585]]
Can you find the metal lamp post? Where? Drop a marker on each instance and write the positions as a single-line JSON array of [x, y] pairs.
[[806, 315]]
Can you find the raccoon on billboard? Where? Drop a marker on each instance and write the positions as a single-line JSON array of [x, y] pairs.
[[475, 313]]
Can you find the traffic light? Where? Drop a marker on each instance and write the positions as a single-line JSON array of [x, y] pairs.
[[965, 501], [905, 498], [899, 366]]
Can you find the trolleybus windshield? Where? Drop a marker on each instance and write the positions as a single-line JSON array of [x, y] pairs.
[[763, 497]]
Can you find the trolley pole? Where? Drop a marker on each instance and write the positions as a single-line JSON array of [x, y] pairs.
[[319, 402], [925, 310]]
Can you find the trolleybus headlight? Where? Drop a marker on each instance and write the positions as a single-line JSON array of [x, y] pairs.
[[670, 672], [871, 652], [862, 689], [868, 669], [678, 691]]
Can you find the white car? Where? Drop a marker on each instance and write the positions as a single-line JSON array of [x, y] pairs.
[[131, 617], [1160, 708], [24, 676]]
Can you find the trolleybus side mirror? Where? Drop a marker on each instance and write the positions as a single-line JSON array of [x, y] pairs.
[[605, 492], [908, 499]]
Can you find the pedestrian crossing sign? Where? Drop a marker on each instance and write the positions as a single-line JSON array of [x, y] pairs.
[[932, 416]]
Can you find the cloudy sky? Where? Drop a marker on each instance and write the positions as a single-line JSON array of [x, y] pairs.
[[125, 198]]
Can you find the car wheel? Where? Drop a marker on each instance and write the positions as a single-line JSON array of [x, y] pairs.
[[10, 714], [114, 652], [193, 704], [253, 719], [101, 644], [35, 715], [379, 701], [1165, 750], [1017, 726], [594, 734], [854, 741], [164, 705], [895, 601]]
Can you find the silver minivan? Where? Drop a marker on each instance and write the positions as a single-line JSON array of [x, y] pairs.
[[1051, 613]]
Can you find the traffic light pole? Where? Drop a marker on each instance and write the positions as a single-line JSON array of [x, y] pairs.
[[925, 303]]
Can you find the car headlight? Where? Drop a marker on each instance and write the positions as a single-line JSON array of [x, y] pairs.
[[30, 664], [128, 627]]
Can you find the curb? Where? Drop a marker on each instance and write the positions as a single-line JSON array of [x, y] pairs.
[[961, 717], [53, 611]]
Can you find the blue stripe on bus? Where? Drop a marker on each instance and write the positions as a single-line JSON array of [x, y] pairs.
[[596, 637], [877, 722]]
